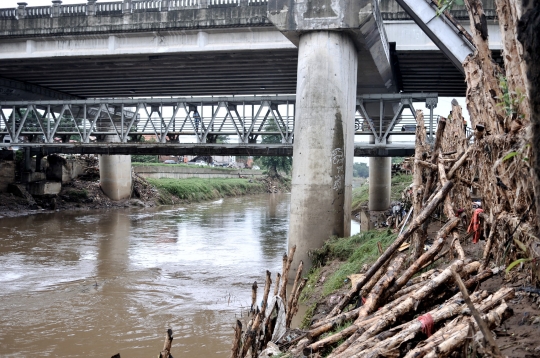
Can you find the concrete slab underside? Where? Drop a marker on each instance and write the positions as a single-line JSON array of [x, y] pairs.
[[323, 150]]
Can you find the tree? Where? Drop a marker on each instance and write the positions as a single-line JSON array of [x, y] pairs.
[[274, 165], [360, 170]]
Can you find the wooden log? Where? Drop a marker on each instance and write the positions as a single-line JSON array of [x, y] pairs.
[[453, 307], [415, 224], [436, 152], [253, 297], [452, 171], [412, 269], [373, 281], [359, 328], [250, 337], [487, 250], [237, 343], [381, 344], [483, 327], [291, 298], [407, 306], [267, 284], [296, 297], [285, 274], [425, 347], [481, 74], [276, 287], [425, 164], [456, 339], [457, 246], [166, 351], [264, 305], [372, 300]]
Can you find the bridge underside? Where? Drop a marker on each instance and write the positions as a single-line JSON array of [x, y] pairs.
[[361, 150], [220, 73]]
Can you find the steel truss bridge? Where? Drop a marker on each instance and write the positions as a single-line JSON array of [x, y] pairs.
[[235, 125]]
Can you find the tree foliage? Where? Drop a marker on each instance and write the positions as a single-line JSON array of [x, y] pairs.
[[360, 170], [274, 165]]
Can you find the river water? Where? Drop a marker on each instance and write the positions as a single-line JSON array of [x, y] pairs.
[[96, 283]]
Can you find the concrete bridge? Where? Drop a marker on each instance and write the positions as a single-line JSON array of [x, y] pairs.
[[327, 52], [190, 48]]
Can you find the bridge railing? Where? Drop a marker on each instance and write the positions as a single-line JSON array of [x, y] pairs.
[[41, 11], [8, 13], [108, 8], [221, 3], [75, 9], [120, 7], [183, 4], [147, 5]]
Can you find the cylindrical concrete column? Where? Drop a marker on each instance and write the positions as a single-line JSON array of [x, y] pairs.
[[115, 171], [115, 176], [380, 175], [323, 141]]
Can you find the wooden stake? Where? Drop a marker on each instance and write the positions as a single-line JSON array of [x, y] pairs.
[[481, 324], [287, 261], [237, 343], [166, 352]]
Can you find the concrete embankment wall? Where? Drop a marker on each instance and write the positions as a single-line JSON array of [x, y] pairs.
[[174, 172]]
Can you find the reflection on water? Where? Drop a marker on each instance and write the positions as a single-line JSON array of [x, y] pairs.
[[88, 284]]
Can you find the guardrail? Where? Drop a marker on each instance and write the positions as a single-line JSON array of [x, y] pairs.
[[119, 7]]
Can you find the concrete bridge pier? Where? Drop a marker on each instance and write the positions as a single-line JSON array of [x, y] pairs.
[[380, 175], [115, 174], [324, 140], [340, 49]]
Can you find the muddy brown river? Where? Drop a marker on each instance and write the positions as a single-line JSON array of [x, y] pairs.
[[96, 283]]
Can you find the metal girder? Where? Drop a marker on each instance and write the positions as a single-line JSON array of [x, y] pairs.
[[445, 33], [379, 127], [170, 121]]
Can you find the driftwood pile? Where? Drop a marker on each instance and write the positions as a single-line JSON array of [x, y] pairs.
[[395, 310], [273, 318]]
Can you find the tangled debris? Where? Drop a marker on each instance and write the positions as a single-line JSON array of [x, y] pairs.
[[395, 310]]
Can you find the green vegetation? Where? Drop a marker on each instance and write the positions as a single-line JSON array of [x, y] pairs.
[[306, 321], [183, 166], [313, 278], [144, 159], [354, 251], [197, 189], [360, 170], [274, 165], [360, 195]]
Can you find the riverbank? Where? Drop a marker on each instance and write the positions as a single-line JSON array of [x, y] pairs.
[[86, 194]]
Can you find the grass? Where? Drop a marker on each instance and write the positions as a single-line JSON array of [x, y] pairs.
[[197, 189], [183, 166], [360, 195], [354, 251]]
